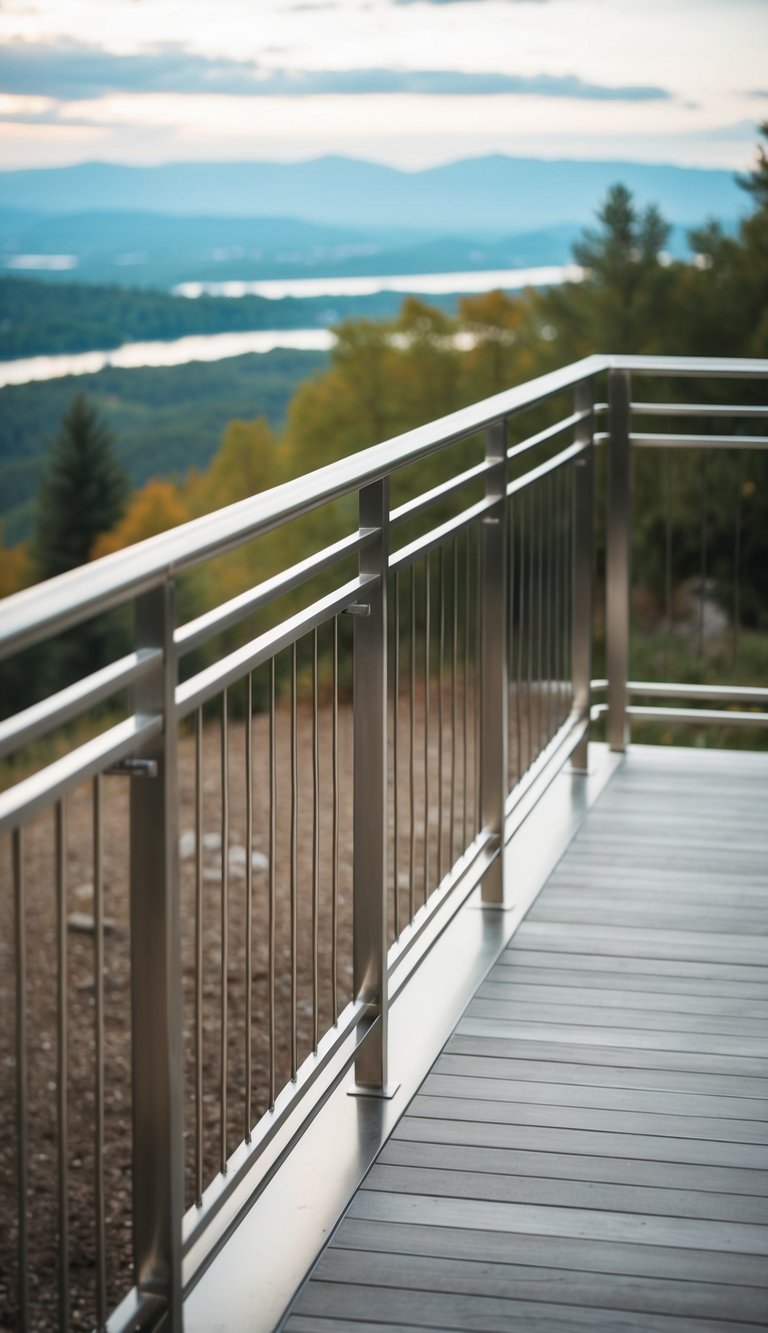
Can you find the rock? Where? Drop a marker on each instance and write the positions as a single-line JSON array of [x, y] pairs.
[[237, 855], [84, 892], [187, 843], [259, 861], [85, 924], [212, 842]]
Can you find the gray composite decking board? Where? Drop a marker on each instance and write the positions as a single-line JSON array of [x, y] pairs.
[[513, 1089], [478, 1277], [590, 1149], [549, 1220], [427, 1309], [573, 1166], [586, 960], [560, 1251], [609, 1144], [705, 1043], [657, 1201], [455, 1059], [698, 946], [500, 1046], [616, 996], [497, 1112], [604, 1016]]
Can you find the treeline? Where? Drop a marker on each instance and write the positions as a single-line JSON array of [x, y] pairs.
[[46, 318]]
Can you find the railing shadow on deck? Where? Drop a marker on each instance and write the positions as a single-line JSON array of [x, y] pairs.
[[351, 740]]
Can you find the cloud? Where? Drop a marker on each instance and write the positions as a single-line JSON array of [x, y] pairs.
[[74, 71]]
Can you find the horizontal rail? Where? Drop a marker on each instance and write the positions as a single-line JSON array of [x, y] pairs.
[[422, 545], [690, 367], [421, 502], [41, 718], [35, 793], [548, 434], [697, 716], [722, 693], [198, 631], [551, 465], [213, 679], [644, 441], [696, 410]]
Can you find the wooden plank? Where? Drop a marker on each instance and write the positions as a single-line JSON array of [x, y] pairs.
[[575, 1166], [342, 1301], [518, 955], [655, 1201], [513, 991], [604, 1016], [559, 1286], [704, 1043], [557, 1251], [508, 1089], [588, 1224], [459, 1057], [608, 1056], [645, 1147]]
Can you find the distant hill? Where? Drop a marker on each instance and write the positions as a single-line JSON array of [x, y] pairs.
[[479, 196]]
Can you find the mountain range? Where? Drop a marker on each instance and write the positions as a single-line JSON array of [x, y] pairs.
[[477, 196]]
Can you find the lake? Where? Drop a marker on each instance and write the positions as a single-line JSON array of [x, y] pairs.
[[218, 346]]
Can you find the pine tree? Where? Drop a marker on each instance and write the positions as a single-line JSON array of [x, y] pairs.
[[82, 494]]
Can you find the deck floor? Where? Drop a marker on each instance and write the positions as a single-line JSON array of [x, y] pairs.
[[590, 1149]]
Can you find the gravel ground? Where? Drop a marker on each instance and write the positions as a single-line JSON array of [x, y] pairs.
[[42, 1044]]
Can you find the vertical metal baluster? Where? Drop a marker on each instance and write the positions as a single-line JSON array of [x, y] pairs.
[[557, 665], [529, 635], [224, 926], [479, 627], [703, 552], [441, 653], [465, 700], [272, 879], [736, 574], [98, 1135], [427, 612], [248, 908], [315, 851], [395, 773], [520, 632], [550, 610], [667, 561], [199, 957], [335, 848], [294, 867], [511, 608], [540, 621], [494, 719], [62, 1078], [412, 752], [583, 570], [20, 943], [454, 658]]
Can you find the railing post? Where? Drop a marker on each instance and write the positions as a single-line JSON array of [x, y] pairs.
[[156, 977], [370, 795], [617, 557], [494, 693], [583, 556]]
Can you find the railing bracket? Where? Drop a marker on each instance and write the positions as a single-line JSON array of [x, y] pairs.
[[132, 768], [360, 609]]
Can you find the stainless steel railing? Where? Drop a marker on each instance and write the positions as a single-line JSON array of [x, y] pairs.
[[347, 773]]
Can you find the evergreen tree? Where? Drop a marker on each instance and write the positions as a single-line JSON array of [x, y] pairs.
[[82, 494]]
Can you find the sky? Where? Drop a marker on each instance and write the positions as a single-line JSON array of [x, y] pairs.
[[408, 82]]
